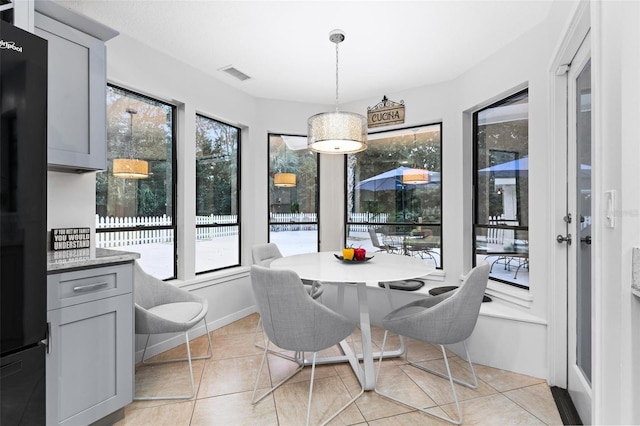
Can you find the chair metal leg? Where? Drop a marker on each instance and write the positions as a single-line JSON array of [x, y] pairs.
[[188, 358], [255, 400], [461, 382], [449, 376], [352, 400], [193, 387], [207, 356], [255, 387]]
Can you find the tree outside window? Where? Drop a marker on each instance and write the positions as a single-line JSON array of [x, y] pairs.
[[139, 214], [217, 200], [394, 187], [293, 194]]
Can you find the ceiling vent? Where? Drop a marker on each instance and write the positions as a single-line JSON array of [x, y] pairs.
[[234, 72]]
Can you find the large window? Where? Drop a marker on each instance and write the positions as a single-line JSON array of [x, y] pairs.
[[217, 195], [501, 182], [293, 195], [394, 193], [135, 196]]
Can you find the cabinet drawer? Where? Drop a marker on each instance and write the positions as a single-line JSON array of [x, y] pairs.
[[71, 288]]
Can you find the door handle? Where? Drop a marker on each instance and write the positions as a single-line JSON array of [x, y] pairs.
[[560, 239], [586, 240]]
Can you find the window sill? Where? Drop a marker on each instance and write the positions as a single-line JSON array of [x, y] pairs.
[[515, 295], [213, 278]]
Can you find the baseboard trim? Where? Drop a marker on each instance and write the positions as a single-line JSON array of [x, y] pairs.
[[567, 410]]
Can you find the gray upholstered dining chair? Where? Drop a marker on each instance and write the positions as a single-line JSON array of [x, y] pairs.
[[160, 308], [293, 321], [263, 255], [444, 319]]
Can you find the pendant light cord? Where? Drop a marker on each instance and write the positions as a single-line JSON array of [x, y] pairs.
[[337, 102]]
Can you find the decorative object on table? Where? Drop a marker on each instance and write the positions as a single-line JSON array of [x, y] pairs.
[[353, 260], [439, 320], [130, 168], [348, 253], [70, 238], [436, 291], [407, 285], [385, 113], [337, 132], [295, 322]]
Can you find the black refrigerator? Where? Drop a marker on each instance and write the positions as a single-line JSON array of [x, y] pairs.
[[23, 226]]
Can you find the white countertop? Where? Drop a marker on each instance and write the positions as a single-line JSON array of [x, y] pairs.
[[86, 258]]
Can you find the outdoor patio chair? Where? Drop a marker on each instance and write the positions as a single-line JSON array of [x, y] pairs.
[[389, 248], [445, 319], [293, 321], [161, 308]]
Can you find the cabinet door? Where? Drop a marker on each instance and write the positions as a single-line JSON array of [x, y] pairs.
[[76, 96], [90, 365]]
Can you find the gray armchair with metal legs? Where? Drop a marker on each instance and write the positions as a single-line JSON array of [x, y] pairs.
[[263, 255], [293, 321], [161, 308], [444, 319]]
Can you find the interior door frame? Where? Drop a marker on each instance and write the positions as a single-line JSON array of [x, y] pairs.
[[557, 253]]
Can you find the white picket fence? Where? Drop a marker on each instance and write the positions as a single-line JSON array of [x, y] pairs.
[[367, 218], [151, 236], [279, 222]]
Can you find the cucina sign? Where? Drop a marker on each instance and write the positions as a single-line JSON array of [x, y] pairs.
[[385, 113]]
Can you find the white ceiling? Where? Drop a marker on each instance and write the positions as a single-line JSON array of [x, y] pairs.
[[284, 45]]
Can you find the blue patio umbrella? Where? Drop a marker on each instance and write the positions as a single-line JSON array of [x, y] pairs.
[[519, 167], [392, 179]]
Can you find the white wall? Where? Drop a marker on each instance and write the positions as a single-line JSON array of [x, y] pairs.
[[525, 61], [616, 67]]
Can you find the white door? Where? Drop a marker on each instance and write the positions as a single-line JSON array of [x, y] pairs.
[[579, 200]]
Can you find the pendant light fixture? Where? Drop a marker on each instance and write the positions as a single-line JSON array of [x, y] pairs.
[[337, 132], [130, 168], [415, 176], [284, 179]]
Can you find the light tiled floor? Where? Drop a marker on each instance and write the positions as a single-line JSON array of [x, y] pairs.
[[224, 384]]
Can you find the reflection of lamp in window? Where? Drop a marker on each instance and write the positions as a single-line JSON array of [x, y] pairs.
[[415, 176], [284, 179], [130, 168]]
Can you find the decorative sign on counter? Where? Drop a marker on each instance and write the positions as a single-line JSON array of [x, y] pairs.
[[70, 238], [385, 113]]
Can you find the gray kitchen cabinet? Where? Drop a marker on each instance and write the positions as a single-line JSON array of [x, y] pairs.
[[90, 361], [77, 87]]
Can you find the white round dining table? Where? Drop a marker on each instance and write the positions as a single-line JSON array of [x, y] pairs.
[[381, 267]]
